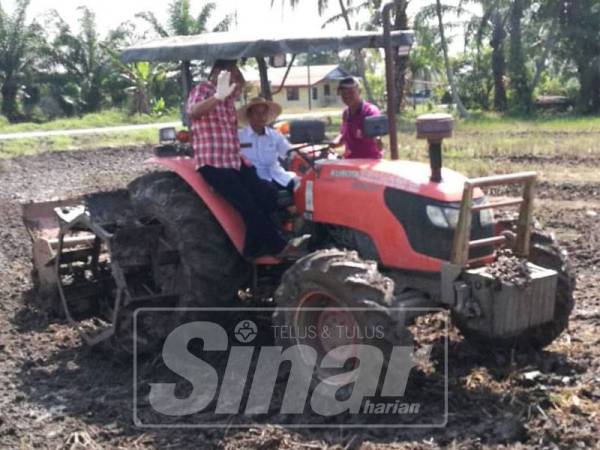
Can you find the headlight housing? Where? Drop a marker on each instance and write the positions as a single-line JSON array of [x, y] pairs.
[[486, 217], [443, 217]]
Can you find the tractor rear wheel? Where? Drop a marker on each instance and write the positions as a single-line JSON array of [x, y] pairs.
[[193, 259], [353, 300], [545, 252]]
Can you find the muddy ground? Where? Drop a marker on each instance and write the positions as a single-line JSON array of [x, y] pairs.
[[57, 393]]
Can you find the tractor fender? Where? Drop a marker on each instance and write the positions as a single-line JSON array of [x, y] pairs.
[[226, 215]]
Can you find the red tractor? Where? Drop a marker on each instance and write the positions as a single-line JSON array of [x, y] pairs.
[[381, 234]]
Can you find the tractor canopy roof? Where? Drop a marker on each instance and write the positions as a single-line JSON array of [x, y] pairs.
[[234, 45]]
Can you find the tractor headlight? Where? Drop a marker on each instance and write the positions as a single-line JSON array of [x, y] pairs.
[[452, 216], [486, 217], [443, 217]]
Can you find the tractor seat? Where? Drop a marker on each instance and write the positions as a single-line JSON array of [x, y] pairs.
[[285, 198]]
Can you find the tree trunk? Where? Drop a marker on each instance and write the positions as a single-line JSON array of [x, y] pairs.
[[518, 73], [401, 62], [140, 102], [455, 97], [589, 92], [360, 59], [541, 62], [498, 63], [9, 99], [93, 96]]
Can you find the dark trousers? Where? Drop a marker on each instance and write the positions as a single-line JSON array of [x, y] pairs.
[[254, 199], [288, 187]]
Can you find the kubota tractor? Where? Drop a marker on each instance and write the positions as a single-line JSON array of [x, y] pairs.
[[382, 234]]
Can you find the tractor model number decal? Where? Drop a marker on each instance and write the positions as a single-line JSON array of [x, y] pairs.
[[345, 173], [308, 196]]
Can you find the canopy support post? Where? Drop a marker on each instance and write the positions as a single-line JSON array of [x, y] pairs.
[[265, 88], [186, 78], [390, 79]]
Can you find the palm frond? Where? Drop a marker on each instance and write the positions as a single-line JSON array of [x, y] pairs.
[[351, 10], [151, 19], [15, 44], [429, 12], [333, 19], [484, 25], [180, 19], [322, 6], [3, 20], [201, 25], [225, 24]]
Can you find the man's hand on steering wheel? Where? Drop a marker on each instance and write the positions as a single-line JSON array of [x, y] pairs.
[[320, 153]]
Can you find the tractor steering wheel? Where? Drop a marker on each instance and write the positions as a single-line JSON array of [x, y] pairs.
[[322, 153]]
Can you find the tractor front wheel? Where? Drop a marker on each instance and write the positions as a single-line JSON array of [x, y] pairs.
[[334, 299]]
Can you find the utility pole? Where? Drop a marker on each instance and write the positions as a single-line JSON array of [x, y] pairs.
[[309, 85]]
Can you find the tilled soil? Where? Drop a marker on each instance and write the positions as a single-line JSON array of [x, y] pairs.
[[57, 393]]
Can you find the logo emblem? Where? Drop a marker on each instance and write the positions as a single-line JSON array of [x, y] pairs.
[[245, 331]]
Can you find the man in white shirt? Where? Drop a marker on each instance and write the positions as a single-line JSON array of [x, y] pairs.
[[263, 146]]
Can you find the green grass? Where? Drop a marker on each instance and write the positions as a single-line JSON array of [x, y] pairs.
[[479, 141], [474, 149], [107, 119], [96, 120]]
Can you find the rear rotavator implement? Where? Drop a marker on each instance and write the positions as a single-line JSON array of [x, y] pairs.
[[94, 260]]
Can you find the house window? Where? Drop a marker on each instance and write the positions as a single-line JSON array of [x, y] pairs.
[[315, 93], [326, 90], [293, 94]]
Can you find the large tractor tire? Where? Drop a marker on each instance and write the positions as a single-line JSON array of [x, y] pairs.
[[544, 252], [340, 280], [205, 268]]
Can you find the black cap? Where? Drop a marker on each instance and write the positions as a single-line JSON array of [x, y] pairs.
[[348, 82]]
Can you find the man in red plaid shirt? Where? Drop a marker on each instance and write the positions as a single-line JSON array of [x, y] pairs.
[[211, 108]]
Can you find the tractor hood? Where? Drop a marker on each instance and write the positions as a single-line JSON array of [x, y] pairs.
[[409, 176], [235, 45]]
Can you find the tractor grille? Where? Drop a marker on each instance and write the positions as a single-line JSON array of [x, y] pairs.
[[424, 237]]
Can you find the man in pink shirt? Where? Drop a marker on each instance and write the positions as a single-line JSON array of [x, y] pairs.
[[353, 118]]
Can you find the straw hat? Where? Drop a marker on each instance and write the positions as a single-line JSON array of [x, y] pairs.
[[274, 109]]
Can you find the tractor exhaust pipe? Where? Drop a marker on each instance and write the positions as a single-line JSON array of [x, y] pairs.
[[435, 160], [434, 128]]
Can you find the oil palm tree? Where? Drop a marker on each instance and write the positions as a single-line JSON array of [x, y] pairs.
[[18, 44], [346, 10], [492, 23], [181, 22], [449, 73], [83, 57]]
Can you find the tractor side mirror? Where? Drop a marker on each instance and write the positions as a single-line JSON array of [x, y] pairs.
[[307, 132], [375, 126], [278, 60]]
